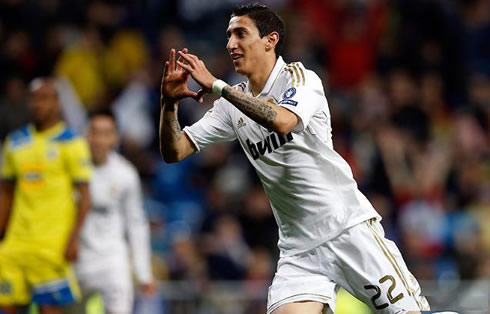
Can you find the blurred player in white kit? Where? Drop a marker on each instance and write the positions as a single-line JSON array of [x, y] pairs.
[[329, 233], [115, 226]]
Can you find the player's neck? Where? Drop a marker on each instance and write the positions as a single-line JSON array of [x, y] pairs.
[[259, 79], [100, 160], [46, 125]]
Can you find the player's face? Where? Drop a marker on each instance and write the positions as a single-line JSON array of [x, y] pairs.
[[44, 103], [102, 136], [246, 47]]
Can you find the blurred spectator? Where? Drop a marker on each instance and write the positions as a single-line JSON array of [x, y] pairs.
[[13, 106]]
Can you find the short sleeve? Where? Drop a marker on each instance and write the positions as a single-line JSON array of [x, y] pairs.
[[304, 97], [214, 127], [78, 160], [8, 167]]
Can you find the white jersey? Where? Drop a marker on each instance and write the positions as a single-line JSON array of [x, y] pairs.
[[310, 186], [116, 214]]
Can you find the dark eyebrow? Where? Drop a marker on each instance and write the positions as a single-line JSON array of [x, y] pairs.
[[235, 30]]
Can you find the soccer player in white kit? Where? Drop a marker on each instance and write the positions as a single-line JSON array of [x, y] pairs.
[[103, 264], [329, 233]]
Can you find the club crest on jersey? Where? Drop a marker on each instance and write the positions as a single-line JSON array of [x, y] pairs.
[[52, 153], [241, 123], [289, 93], [268, 145]]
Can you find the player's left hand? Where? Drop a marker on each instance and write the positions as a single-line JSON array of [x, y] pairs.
[[71, 251], [149, 289], [197, 69]]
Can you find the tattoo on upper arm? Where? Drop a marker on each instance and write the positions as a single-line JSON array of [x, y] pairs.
[[255, 108]]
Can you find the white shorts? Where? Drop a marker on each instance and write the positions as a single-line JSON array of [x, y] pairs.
[[114, 285], [361, 261]]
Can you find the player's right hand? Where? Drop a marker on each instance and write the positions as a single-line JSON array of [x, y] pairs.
[[174, 81]]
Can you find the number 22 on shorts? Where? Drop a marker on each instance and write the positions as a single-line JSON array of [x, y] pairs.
[[376, 288]]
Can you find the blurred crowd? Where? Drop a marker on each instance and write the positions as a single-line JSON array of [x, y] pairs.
[[408, 85]]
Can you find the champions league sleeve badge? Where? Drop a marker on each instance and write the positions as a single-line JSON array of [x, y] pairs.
[[289, 93]]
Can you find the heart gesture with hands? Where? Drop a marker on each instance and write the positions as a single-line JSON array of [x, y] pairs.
[[174, 81]]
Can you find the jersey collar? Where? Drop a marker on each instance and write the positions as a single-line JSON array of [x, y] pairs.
[[51, 132], [272, 78]]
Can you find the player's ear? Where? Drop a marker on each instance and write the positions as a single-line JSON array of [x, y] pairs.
[[272, 40]]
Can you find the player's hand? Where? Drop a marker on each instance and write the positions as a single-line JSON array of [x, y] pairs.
[[197, 70], [149, 289], [71, 251], [174, 81]]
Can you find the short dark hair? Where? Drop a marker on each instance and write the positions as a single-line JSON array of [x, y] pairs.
[[266, 20], [104, 112]]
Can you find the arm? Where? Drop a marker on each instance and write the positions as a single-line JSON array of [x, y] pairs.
[[83, 206], [269, 115], [137, 229], [174, 143], [6, 200]]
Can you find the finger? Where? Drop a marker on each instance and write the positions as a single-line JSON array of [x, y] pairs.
[[172, 61], [179, 68], [187, 57], [193, 57], [165, 70], [189, 93], [186, 67]]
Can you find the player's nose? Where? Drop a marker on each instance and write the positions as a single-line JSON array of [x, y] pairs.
[[231, 44]]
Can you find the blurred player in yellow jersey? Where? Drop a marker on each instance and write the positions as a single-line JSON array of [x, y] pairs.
[[43, 201]]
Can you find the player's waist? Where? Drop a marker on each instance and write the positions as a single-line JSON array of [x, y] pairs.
[[296, 236]]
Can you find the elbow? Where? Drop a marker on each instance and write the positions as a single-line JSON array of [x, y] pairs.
[[283, 128], [285, 122], [170, 160], [170, 157]]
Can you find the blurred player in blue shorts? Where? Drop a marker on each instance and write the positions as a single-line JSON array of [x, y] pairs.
[[43, 201]]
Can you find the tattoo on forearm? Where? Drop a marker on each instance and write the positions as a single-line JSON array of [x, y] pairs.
[[173, 126], [170, 130], [255, 108]]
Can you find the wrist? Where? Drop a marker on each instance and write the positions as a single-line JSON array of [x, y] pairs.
[[169, 104], [218, 86]]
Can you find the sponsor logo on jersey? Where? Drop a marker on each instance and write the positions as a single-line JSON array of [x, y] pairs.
[[268, 145], [5, 288], [289, 93], [100, 209]]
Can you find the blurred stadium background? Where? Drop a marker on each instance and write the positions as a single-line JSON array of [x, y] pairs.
[[408, 84]]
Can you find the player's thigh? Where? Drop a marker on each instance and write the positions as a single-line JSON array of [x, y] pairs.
[[306, 307], [50, 309], [117, 291], [372, 269], [298, 279], [13, 286], [79, 307], [53, 283]]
